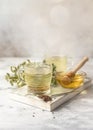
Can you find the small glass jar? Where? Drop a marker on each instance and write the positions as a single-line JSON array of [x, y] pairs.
[[38, 78]]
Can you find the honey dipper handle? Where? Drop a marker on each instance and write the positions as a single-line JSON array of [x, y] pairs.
[[81, 63]]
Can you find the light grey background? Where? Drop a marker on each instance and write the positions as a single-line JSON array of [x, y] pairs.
[[46, 27]]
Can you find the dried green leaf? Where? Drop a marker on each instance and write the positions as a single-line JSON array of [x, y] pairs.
[[17, 77]]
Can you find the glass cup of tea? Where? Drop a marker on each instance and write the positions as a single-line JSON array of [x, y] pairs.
[[59, 61], [38, 78]]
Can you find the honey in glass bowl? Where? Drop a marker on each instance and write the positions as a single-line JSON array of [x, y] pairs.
[[77, 81]]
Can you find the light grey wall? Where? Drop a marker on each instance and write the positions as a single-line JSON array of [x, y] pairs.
[[46, 27]]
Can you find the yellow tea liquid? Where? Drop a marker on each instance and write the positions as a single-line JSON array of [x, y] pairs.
[[58, 61], [38, 79]]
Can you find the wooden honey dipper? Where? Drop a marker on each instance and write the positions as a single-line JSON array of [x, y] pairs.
[[68, 78]]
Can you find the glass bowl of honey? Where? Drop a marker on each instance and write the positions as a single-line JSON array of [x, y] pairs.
[[77, 81]]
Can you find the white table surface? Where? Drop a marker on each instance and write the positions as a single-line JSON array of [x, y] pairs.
[[76, 114]]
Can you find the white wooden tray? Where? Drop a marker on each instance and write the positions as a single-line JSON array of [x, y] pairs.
[[22, 97]]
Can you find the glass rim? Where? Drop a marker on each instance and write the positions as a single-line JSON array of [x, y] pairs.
[[38, 64]]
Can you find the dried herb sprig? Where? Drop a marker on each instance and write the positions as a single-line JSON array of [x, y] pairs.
[[53, 81], [16, 77]]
